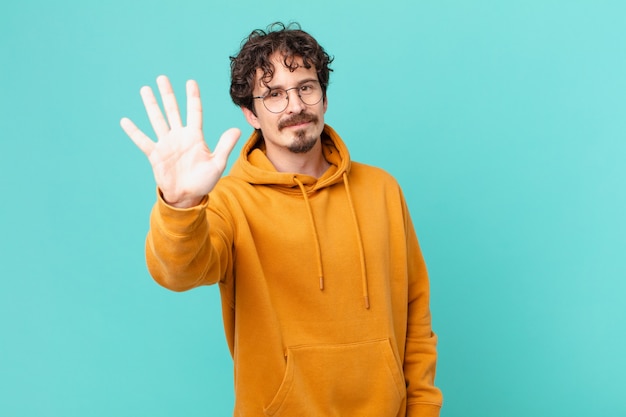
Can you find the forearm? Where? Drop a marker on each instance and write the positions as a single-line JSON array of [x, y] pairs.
[[179, 251], [420, 355], [423, 397]]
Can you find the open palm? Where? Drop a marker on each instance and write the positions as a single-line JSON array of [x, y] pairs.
[[184, 168]]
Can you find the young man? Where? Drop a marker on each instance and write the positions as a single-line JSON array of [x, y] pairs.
[[324, 290]]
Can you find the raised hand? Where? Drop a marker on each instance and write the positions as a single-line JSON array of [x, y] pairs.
[[184, 168]]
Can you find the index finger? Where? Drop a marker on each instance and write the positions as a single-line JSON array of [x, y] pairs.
[[194, 105]]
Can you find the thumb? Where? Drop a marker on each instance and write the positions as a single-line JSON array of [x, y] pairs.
[[227, 142]]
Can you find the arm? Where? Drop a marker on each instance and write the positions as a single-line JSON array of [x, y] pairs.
[[423, 398], [179, 250]]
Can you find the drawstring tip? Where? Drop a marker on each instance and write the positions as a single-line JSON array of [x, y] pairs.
[[367, 302], [321, 283]]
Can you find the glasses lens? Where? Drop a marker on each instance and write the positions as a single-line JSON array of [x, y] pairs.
[[276, 100], [310, 93]]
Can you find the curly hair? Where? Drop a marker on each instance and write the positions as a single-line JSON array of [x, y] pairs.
[[291, 42]]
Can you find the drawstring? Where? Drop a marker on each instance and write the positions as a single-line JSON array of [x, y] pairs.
[[320, 272], [358, 238], [366, 296]]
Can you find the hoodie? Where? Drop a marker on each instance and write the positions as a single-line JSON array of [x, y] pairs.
[[324, 290]]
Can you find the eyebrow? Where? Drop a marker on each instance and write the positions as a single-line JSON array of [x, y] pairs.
[[280, 87]]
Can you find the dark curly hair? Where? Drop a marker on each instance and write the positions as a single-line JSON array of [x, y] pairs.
[[288, 40]]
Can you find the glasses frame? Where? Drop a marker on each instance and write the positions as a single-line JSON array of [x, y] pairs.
[[286, 90]]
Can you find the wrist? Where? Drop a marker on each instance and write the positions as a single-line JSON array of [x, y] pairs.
[[182, 203]]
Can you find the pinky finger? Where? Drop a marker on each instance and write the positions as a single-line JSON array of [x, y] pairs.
[[140, 139]]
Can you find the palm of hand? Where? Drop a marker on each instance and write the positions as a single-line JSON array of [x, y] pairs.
[[183, 165]]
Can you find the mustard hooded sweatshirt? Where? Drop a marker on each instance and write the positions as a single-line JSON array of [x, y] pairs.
[[324, 290]]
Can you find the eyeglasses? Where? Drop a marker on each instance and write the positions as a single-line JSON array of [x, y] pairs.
[[277, 99]]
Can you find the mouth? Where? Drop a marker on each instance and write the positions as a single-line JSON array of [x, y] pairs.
[[297, 125]]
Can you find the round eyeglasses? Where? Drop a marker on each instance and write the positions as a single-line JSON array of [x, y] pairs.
[[277, 99]]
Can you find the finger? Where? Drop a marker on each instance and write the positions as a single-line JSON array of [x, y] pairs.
[[226, 144], [159, 125], [142, 141], [169, 102], [194, 105]]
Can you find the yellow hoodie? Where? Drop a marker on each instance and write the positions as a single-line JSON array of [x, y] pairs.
[[325, 294]]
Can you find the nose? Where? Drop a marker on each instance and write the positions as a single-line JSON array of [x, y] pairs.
[[294, 102]]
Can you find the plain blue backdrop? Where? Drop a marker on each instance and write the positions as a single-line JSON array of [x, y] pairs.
[[503, 121]]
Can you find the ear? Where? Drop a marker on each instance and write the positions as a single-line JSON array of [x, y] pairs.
[[325, 103], [251, 118]]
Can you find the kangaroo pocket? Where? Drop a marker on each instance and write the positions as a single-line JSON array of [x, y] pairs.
[[340, 380]]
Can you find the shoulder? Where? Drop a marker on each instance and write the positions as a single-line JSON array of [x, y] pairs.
[[371, 174], [374, 181]]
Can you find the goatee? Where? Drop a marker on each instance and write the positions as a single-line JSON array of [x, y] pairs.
[[301, 143]]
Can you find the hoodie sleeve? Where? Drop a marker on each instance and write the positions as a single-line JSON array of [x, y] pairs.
[[180, 252], [423, 398]]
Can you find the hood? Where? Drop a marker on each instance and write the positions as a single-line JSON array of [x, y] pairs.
[[255, 168]]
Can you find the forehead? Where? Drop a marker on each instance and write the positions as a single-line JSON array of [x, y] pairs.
[[284, 76]]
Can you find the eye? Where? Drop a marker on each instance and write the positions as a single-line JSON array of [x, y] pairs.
[[276, 94], [307, 88]]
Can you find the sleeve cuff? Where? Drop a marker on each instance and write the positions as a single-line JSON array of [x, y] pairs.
[[423, 410], [178, 221]]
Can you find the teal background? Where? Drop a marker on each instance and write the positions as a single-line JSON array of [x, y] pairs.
[[503, 121]]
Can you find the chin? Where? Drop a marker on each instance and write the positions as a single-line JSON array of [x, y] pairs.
[[302, 143]]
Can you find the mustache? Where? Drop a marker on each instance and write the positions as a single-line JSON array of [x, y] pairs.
[[296, 119]]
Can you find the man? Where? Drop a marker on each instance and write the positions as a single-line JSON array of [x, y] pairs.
[[324, 290]]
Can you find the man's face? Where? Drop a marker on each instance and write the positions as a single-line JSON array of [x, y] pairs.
[[298, 127]]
